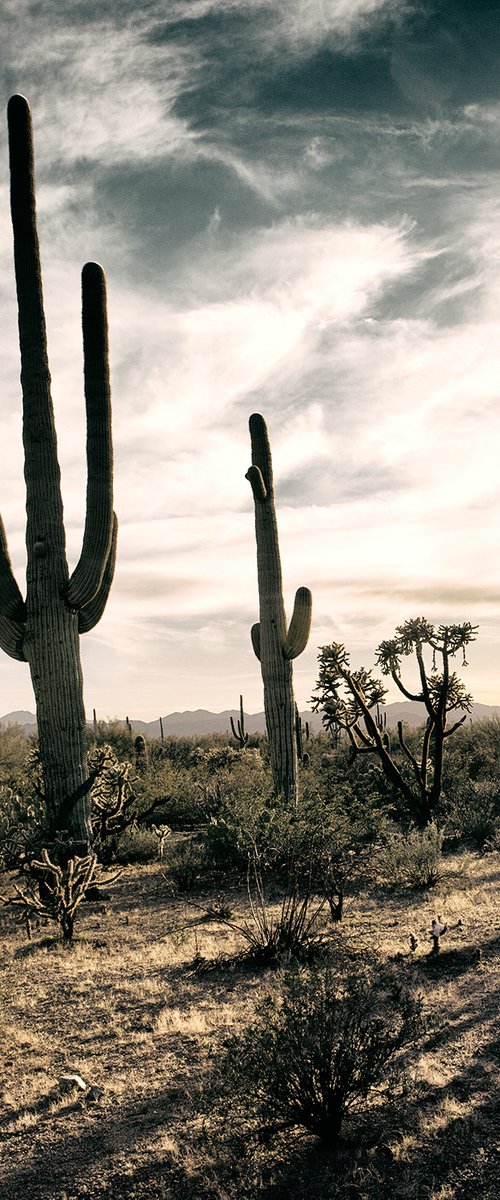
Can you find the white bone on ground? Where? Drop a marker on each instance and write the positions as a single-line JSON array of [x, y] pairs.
[[70, 1081]]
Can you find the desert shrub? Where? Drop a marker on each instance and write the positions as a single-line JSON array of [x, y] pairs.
[[474, 811], [24, 825], [412, 859], [473, 753], [14, 749], [328, 840], [137, 845], [186, 865], [289, 929], [318, 1049], [115, 734], [171, 792], [240, 814]]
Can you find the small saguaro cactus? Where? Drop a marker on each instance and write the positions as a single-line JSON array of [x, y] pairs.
[[141, 753], [274, 644], [44, 629], [238, 731]]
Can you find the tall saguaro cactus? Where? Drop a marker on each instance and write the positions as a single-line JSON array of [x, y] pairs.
[[275, 644], [44, 629]]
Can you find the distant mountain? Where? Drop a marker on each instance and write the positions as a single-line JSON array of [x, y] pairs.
[[414, 714], [26, 720], [202, 721]]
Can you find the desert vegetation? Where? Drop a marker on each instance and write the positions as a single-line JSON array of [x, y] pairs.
[[262, 1008]]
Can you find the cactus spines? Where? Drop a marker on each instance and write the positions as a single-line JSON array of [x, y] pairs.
[[239, 733], [275, 645], [44, 630]]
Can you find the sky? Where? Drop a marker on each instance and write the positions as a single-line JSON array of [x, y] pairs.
[[297, 205]]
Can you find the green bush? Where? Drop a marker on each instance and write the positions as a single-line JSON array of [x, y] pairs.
[[186, 864], [319, 1049], [412, 859], [113, 733], [14, 749], [137, 845], [474, 812]]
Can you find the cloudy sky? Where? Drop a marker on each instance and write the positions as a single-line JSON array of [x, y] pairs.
[[297, 204]]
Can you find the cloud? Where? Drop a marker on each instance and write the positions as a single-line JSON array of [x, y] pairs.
[[280, 236]]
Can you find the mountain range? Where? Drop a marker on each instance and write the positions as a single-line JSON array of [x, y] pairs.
[[202, 721]]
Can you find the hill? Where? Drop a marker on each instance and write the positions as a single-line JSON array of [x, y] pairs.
[[202, 721]]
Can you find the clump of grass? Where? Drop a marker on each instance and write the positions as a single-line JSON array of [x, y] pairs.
[[293, 931]]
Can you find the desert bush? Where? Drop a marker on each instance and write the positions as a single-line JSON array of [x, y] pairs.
[[23, 820], [474, 811], [14, 749], [473, 754], [412, 859], [318, 1049], [113, 733], [240, 815], [171, 792], [137, 845], [186, 865], [289, 930]]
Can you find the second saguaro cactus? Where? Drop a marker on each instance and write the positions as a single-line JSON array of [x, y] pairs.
[[274, 643], [44, 629]]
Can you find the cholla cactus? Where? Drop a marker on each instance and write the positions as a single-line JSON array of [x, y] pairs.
[[60, 890], [44, 629], [161, 832], [275, 644], [438, 928], [111, 796]]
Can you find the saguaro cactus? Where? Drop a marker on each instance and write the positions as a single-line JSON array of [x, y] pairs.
[[273, 643], [44, 630], [239, 732]]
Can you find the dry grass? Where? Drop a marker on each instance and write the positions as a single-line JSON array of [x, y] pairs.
[[129, 1009]]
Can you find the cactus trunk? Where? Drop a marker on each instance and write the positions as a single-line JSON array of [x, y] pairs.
[[44, 631], [273, 644]]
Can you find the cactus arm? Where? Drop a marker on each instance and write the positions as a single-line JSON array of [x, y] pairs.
[[254, 476], [300, 624], [12, 606], [86, 579], [92, 613], [255, 639]]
